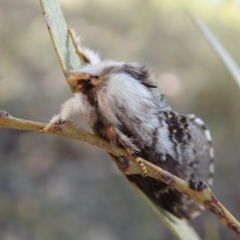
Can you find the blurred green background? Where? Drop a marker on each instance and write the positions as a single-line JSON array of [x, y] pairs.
[[57, 188]]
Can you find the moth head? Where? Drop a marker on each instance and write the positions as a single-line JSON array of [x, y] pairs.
[[83, 81]]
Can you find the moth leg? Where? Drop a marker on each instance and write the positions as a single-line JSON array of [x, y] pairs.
[[137, 159], [115, 135], [68, 108], [88, 56], [56, 120]]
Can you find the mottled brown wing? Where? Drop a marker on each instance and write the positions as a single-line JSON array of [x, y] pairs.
[[195, 160]]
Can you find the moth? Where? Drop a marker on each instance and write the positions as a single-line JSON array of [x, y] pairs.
[[121, 100]]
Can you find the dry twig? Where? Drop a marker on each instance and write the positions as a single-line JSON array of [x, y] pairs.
[[199, 191]]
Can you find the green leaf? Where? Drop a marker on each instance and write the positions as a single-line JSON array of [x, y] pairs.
[[58, 31], [180, 228], [222, 53], [69, 60]]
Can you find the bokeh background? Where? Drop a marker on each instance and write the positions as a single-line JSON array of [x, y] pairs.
[[58, 188]]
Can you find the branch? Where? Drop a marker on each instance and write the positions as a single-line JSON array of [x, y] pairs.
[[66, 130], [199, 191]]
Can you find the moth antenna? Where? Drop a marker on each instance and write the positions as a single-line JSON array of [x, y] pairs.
[[87, 55]]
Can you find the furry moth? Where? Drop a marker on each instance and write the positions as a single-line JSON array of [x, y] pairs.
[[123, 103]]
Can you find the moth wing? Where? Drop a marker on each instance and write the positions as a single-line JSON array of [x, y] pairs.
[[197, 153]]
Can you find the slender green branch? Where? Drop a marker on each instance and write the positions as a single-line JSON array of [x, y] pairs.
[[66, 130], [198, 191]]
